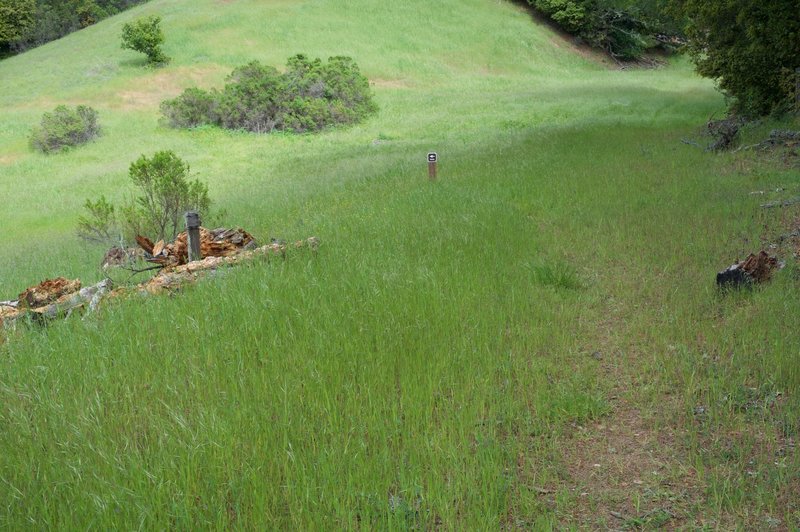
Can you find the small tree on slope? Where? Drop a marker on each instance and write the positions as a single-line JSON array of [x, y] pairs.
[[144, 35]]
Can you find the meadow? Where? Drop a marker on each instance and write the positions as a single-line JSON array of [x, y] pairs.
[[532, 341]]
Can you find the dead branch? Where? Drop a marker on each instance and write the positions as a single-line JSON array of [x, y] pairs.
[[784, 203], [692, 143]]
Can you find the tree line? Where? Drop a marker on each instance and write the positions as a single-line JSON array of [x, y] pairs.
[[25, 24], [751, 48]]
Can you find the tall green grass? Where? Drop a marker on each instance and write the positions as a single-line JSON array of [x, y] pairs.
[[429, 365]]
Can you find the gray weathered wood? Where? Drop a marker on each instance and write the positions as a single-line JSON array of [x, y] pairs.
[[193, 233], [783, 203]]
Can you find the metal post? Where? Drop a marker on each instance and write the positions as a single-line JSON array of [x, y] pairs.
[[432, 160], [193, 231]]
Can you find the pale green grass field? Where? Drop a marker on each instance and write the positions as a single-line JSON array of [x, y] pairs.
[[431, 366]]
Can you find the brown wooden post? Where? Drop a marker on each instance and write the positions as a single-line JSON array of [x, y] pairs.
[[193, 231], [432, 160]]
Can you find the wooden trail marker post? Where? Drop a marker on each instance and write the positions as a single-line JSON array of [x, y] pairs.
[[433, 158], [193, 232]]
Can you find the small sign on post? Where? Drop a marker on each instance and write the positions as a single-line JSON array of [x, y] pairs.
[[433, 158], [193, 232]]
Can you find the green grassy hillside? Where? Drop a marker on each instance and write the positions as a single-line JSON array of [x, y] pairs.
[[524, 343]]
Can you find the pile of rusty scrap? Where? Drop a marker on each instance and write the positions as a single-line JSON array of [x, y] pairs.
[[61, 297], [752, 270]]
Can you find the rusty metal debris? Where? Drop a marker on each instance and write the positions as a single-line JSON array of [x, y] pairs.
[[54, 298], [754, 269]]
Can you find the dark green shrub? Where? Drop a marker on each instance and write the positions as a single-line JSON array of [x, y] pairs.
[[623, 34], [569, 14], [65, 127], [311, 95], [251, 99], [164, 193], [751, 47], [144, 35], [193, 108], [626, 29]]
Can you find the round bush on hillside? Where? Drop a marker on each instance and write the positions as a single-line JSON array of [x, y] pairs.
[[311, 95], [65, 127]]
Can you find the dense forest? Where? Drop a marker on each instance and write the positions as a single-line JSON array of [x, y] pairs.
[[25, 24], [626, 29]]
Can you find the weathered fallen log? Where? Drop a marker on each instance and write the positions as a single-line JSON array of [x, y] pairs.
[[777, 138], [64, 304], [782, 203], [175, 277], [85, 297], [59, 297], [754, 269], [47, 291], [782, 136], [8, 309]]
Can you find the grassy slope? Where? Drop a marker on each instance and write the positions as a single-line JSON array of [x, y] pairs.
[[431, 363]]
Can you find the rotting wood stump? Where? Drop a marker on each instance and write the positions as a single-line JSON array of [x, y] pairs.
[[753, 270], [219, 242], [47, 292]]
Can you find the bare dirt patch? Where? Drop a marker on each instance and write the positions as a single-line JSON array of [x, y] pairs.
[[9, 159], [626, 472], [150, 90], [628, 469]]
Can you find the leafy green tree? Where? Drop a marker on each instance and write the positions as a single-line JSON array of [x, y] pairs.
[[750, 47], [626, 29], [144, 35], [165, 194], [16, 19]]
